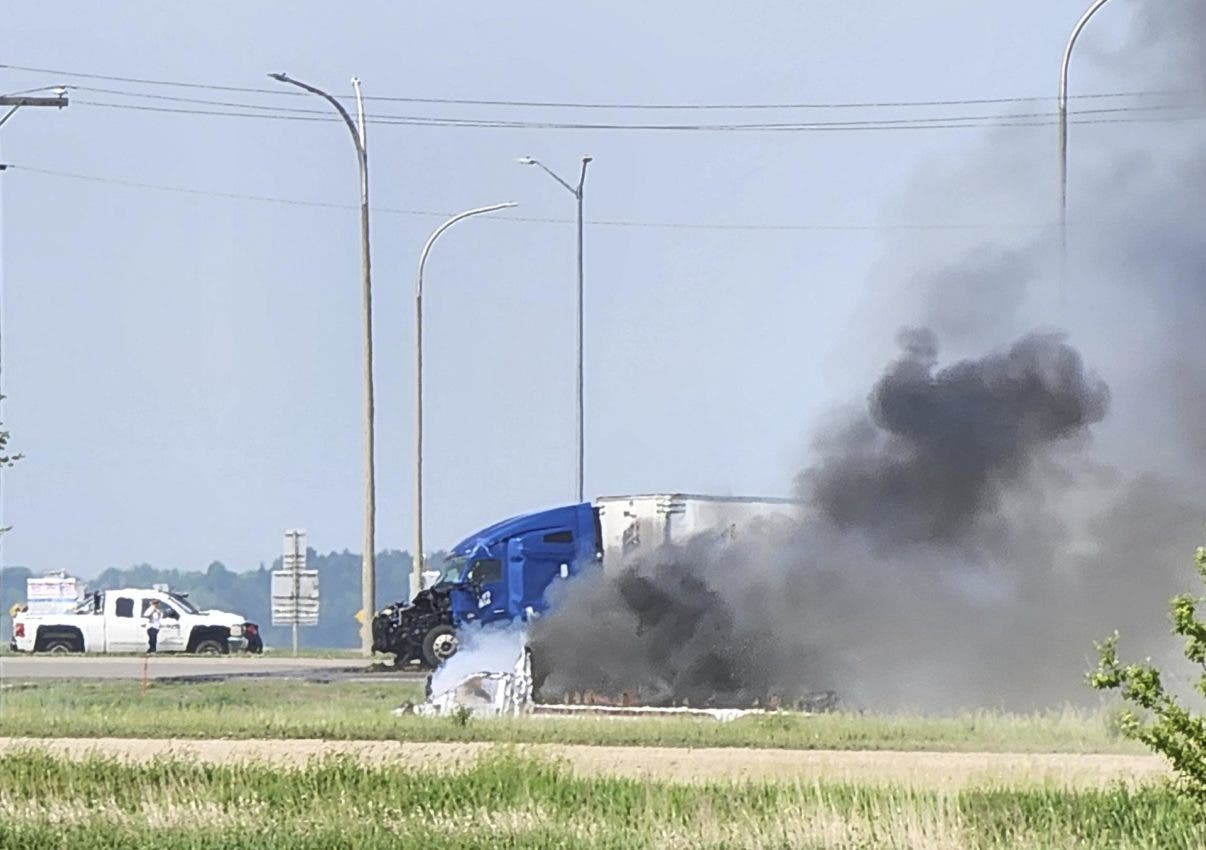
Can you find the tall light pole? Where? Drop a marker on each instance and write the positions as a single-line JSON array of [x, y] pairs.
[[1063, 143], [576, 191], [417, 557], [368, 565]]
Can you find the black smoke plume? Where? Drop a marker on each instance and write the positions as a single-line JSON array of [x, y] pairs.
[[936, 450], [897, 492], [968, 531]]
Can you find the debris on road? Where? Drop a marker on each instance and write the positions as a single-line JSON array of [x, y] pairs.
[[486, 694]]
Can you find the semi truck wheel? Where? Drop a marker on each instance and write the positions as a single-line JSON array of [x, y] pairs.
[[439, 645]]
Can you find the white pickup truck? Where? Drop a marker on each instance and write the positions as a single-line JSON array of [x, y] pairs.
[[116, 621]]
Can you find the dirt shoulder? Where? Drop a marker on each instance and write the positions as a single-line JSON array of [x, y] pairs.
[[922, 770]]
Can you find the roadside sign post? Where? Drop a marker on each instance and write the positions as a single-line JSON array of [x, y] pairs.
[[295, 588]]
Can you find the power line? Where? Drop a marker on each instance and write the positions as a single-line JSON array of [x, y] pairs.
[[1032, 119], [672, 225], [883, 104], [877, 121]]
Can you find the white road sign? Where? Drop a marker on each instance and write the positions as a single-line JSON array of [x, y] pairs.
[[294, 588]]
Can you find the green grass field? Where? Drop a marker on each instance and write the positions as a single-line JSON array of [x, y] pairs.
[[506, 800], [277, 708]]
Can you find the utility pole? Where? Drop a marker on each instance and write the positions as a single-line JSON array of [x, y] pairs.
[[368, 563]]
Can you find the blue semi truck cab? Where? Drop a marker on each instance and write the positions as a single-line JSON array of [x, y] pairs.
[[500, 573]]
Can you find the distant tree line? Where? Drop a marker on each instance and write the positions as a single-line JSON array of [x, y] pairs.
[[247, 593]]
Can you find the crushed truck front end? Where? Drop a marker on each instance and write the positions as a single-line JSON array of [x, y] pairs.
[[405, 629]]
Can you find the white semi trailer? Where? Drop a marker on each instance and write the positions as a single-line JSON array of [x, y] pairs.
[[628, 524]]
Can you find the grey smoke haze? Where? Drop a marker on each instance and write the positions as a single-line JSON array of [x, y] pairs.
[[991, 508]]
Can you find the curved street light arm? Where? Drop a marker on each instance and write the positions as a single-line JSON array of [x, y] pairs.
[[1080, 25], [357, 137], [436, 234], [1063, 145]]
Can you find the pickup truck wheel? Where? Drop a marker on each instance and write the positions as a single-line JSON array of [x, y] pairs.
[[439, 645], [210, 646], [60, 646]]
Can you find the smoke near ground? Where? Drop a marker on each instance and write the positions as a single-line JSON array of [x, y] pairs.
[[992, 504]]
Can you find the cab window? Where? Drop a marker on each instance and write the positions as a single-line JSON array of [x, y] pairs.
[[125, 606], [485, 570]]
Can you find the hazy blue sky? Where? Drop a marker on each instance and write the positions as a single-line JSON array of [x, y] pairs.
[[183, 371]]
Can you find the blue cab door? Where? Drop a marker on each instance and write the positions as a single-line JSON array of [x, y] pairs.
[[534, 562]]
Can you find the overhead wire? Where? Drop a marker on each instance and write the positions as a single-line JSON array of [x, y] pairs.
[[201, 106], [673, 225], [387, 117], [550, 104], [1108, 115], [241, 108]]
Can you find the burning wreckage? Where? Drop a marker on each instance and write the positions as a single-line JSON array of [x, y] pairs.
[[509, 573], [510, 694], [496, 694], [910, 511], [505, 572]]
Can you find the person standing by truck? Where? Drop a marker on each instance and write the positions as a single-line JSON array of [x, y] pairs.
[[154, 618]]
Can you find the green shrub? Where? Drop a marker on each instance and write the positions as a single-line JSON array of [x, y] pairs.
[[1158, 719]]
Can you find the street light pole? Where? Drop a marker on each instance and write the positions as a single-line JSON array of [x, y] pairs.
[[368, 566], [577, 192], [1063, 143], [416, 567]]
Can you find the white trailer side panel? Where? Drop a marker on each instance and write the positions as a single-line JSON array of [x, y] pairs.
[[632, 524]]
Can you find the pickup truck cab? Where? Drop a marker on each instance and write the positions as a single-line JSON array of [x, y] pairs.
[[116, 621]]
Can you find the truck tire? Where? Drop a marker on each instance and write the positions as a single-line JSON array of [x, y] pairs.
[[439, 645], [211, 646], [60, 645]]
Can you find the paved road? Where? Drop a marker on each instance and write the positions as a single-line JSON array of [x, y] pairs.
[[24, 668]]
